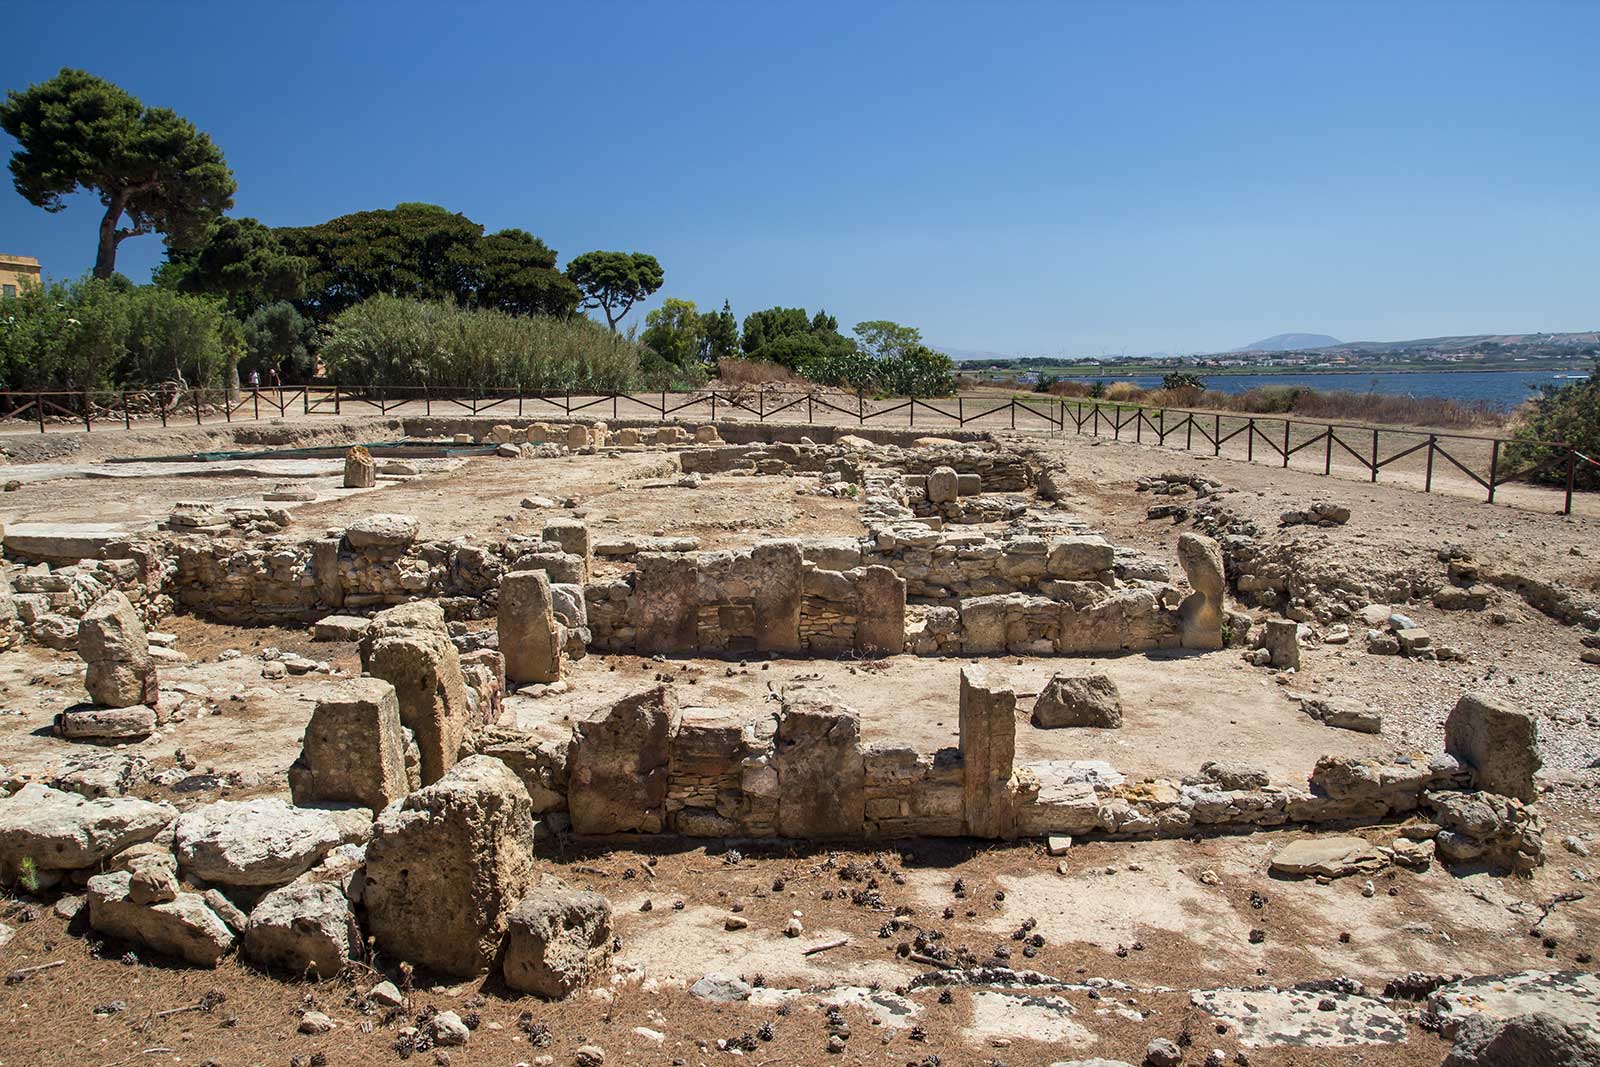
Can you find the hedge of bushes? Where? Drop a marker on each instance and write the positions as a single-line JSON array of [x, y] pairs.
[[97, 334]]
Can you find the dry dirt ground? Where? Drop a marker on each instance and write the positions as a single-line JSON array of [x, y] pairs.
[[1128, 928]]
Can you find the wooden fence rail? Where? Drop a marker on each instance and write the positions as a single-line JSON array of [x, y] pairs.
[[1372, 449]]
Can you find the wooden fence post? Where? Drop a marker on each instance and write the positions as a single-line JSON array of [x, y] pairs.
[[1494, 468], [1572, 477], [1427, 479]]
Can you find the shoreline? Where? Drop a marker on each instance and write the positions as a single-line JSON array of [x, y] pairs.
[[1231, 372]]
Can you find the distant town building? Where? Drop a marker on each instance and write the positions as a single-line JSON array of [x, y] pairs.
[[17, 272]]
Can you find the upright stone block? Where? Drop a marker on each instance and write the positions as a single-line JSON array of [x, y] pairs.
[[354, 751], [360, 472], [664, 607], [881, 624], [618, 765], [778, 593], [446, 866], [424, 615], [1499, 742], [988, 750], [821, 767], [1281, 638], [425, 670], [111, 639], [577, 436], [573, 537], [943, 485], [530, 637], [1200, 613]]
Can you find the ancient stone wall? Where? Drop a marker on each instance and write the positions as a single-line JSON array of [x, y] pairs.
[[803, 771]]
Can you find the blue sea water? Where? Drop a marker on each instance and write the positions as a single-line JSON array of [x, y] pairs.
[[1502, 389]]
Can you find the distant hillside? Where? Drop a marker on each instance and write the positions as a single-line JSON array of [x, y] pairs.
[[1292, 342]]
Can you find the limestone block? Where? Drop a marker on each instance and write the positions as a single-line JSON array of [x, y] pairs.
[[988, 749], [116, 651], [530, 638], [618, 765], [86, 722], [1201, 611], [573, 537], [425, 615], [339, 628], [557, 939], [446, 866], [382, 532], [55, 830], [184, 927], [777, 595], [425, 670], [360, 472], [306, 928], [1499, 742], [261, 842], [1281, 638], [881, 619], [1081, 559], [354, 751], [821, 767], [541, 763], [943, 485], [1090, 700]]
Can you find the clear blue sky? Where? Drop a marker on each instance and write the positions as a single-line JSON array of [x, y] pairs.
[[1026, 178]]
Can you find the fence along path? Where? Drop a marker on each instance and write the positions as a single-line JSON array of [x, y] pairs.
[[1424, 457]]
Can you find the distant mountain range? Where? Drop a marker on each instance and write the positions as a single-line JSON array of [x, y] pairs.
[[1292, 342], [1476, 342]]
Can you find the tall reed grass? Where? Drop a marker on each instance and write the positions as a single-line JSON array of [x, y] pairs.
[[391, 341]]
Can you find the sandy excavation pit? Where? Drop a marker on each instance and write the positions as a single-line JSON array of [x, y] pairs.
[[717, 749]]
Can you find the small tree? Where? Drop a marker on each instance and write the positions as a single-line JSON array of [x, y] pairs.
[[719, 335], [77, 131], [615, 281], [276, 337], [674, 331]]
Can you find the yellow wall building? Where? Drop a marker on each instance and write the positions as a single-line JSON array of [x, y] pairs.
[[16, 272]]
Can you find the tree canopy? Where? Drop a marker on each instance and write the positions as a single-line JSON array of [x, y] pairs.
[[241, 260], [518, 275], [425, 252], [760, 327], [150, 165], [614, 281]]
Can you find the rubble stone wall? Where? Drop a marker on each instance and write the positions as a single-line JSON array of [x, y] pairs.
[[802, 771]]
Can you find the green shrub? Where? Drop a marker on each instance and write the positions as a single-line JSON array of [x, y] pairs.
[[1560, 415], [392, 341], [1180, 379], [97, 334]]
